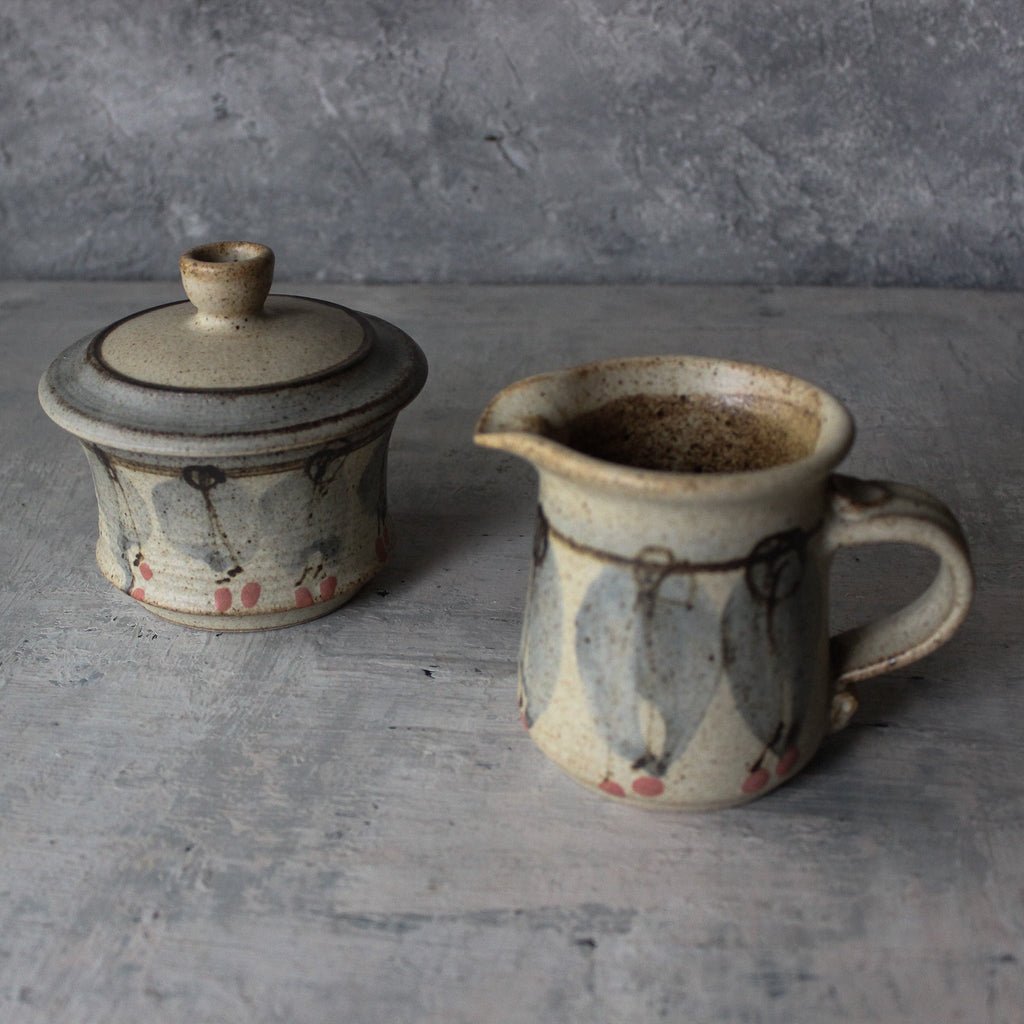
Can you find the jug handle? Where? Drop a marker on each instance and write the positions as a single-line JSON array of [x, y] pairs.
[[873, 512]]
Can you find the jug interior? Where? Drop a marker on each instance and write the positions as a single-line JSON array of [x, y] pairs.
[[694, 433]]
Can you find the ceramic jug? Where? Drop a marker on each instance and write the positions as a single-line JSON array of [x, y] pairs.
[[676, 649]]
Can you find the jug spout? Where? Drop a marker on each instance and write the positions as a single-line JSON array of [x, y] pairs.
[[527, 419]]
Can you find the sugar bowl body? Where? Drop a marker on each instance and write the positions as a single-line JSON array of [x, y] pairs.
[[238, 444]]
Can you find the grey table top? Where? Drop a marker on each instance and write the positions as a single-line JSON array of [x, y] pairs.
[[346, 821]]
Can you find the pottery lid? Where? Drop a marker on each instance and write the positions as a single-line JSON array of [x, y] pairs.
[[235, 370]]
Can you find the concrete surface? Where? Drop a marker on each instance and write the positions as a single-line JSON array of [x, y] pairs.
[[345, 820], [805, 141]]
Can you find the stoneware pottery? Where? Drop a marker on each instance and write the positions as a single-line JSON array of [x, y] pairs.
[[676, 648], [238, 444]]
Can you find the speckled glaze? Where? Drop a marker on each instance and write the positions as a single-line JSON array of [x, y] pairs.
[[676, 649], [238, 444]]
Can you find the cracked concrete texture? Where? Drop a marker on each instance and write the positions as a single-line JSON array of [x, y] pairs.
[[806, 141]]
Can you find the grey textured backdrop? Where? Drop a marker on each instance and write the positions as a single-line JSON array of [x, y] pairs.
[[795, 141]]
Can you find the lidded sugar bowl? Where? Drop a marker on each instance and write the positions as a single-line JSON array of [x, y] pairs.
[[238, 444]]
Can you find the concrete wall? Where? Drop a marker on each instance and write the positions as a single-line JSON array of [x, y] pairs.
[[779, 141]]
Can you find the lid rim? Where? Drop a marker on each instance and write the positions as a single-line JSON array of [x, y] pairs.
[[174, 421]]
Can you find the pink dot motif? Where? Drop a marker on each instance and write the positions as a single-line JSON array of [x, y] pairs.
[[611, 788], [647, 786], [222, 599], [787, 761], [304, 597], [756, 781], [250, 594]]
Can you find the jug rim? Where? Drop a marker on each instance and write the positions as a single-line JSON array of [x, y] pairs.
[[520, 418]]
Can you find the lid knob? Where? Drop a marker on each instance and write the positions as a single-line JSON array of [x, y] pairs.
[[227, 280]]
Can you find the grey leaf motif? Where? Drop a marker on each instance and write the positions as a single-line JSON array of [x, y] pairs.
[[208, 515], [124, 514], [772, 629], [540, 653], [301, 519], [372, 489], [648, 632]]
